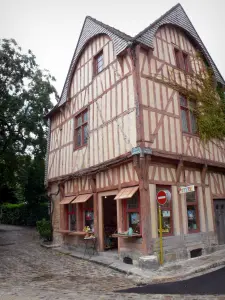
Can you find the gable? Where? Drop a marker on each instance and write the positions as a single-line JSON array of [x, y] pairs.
[[83, 72], [90, 29], [168, 38], [177, 16]]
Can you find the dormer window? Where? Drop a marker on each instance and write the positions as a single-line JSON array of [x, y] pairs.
[[98, 63]]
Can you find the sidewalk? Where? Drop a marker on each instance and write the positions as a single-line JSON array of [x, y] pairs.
[[169, 272]]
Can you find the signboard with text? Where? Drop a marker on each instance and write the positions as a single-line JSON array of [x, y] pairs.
[[186, 189]]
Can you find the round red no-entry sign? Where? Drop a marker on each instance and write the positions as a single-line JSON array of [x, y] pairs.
[[161, 197]]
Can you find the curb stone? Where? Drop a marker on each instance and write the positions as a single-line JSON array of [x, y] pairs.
[[150, 278], [184, 275]]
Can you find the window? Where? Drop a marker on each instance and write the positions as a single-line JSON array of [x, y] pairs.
[[132, 213], [192, 212], [182, 60], [81, 129], [166, 213], [89, 214], [71, 217], [98, 63], [189, 123], [177, 58], [186, 66]]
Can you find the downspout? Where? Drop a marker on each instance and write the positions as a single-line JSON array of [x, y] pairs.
[[51, 207]]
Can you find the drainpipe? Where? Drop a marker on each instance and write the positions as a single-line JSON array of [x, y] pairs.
[[51, 209]]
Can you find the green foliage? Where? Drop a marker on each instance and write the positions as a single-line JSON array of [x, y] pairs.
[[202, 88], [44, 229], [209, 109], [23, 214], [25, 92]]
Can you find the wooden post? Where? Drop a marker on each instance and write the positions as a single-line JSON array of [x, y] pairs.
[[92, 182], [141, 165], [100, 224]]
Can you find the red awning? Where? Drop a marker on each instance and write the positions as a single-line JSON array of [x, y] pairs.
[[127, 193], [82, 198], [67, 200]]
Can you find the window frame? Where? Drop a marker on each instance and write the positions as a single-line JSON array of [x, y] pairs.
[[82, 126], [180, 61], [70, 213], [196, 204], [165, 208], [131, 210], [84, 209], [186, 108], [95, 63]]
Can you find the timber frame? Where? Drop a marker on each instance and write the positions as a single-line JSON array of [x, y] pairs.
[[131, 106]]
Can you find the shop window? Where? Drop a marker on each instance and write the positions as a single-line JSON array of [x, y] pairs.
[[132, 213], [192, 212], [188, 119], [98, 63], [71, 217], [166, 213], [88, 214], [81, 129]]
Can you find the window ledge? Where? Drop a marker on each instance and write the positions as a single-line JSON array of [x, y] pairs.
[[78, 148], [82, 233], [64, 231], [190, 134], [125, 236]]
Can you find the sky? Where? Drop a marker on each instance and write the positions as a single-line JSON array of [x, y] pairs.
[[51, 28]]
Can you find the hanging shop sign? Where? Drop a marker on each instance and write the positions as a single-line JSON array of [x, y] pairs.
[[186, 189], [139, 150]]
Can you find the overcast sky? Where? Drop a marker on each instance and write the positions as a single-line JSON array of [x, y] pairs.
[[50, 28]]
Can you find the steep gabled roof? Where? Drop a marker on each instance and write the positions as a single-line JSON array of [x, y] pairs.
[[177, 16], [91, 28], [113, 30]]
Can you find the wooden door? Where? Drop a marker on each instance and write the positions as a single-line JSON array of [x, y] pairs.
[[219, 209]]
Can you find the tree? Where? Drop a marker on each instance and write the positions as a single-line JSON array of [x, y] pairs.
[[25, 97]]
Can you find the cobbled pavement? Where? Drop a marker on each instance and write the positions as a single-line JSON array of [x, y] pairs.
[[29, 271]]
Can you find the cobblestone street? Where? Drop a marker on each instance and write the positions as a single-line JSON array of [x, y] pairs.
[[29, 271]]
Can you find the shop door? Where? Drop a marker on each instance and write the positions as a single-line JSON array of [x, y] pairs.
[[219, 209]]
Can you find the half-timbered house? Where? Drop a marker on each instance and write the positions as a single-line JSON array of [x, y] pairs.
[[118, 135]]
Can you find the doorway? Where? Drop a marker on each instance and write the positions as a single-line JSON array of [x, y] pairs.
[[109, 222], [219, 209]]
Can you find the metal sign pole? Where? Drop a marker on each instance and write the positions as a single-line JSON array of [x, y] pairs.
[[160, 237]]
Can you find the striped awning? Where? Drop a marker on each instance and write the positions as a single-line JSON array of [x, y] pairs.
[[82, 198], [127, 193], [67, 200]]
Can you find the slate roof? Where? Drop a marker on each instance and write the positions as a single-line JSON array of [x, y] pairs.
[[91, 27], [177, 16]]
